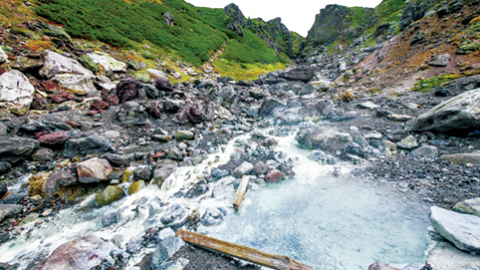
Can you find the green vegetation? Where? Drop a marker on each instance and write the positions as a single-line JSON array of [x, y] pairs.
[[429, 84], [297, 40], [251, 49], [244, 71], [124, 23]]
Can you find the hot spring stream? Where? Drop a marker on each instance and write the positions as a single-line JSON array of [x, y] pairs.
[[315, 218]]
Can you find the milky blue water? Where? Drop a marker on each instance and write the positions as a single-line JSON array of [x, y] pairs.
[[331, 223]]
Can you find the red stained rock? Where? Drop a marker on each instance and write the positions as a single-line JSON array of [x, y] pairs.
[[92, 113], [112, 100], [99, 105], [83, 253], [163, 84], [273, 176], [128, 89], [65, 96], [72, 124], [51, 86], [55, 138], [159, 155]]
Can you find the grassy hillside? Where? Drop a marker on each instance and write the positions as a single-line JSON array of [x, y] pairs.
[[196, 34]]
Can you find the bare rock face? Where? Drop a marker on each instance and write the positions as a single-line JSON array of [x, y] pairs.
[[457, 113], [16, 91], [69, 73], [80, 254], [93, 170]]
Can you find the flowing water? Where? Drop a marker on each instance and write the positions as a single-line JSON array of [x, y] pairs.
[[320, 220]]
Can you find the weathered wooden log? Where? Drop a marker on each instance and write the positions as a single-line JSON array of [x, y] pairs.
[[242, 188], [241, 252]]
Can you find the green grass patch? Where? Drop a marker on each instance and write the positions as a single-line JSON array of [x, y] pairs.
[[244, 71], [429, 84]]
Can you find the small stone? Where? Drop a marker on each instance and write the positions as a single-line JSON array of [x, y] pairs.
[[425, 151], [184, 135], [408, 143], [244, 169], [273, 176]]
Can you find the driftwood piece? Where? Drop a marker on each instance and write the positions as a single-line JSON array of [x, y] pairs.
[[242, 188], [241, 252]]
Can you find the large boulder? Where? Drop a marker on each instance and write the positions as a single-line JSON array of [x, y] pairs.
[[197, 113], [445, 256], [54, 139], [269, 105], [69, 73], [299, 74], [9, 210], [130, 88], [457, 113], [88, 145], [16, 91], [16, 149], [107, 62], [462, 230], [470, 206], [3, 56], [80, 254], [463, 158], [93, 170], [324, 138]]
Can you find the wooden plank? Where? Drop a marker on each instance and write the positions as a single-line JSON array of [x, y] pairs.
[[241, 252], [242, 188]]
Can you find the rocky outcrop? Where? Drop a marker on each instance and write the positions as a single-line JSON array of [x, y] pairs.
[[445, 256], [237, 20], [458, 113], [335, 21], [107, 62], [414, 11]]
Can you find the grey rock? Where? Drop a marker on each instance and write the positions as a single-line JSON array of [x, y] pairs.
[[213, 216], [440, 60], [3, 130], [227, 93], [88, 145], [119, 160], [434, 235], [135, 244], [174, 265], [317, 155], [43, 155], [257, 93], [464, 158], [3, 190], [260, 168], [323, 138], [399, 117], [408, 143], [175, 215], [165, 250], [444, 256], [175, 154], [414, 266], [132, 113], [462, 230], [163, 170], [470, 206], [174, 105], [142, 173], [457, 113], [244, 169], [425, 151], [16, 149], [269, 105], [299, 74], [9, 210]]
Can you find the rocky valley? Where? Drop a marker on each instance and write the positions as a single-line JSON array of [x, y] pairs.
[[125, 123]]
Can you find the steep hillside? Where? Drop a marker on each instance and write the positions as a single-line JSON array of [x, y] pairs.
[[179, 28]]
